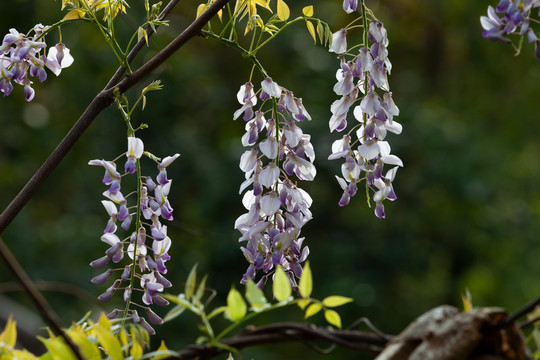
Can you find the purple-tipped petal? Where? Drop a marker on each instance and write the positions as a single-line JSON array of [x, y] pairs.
[[102, 278]]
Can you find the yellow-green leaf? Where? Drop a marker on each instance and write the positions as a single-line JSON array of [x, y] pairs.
[[283, 12], [110, 343], [88, 349], [9, 336], [23, 355], [216, 312], [141, 33], [255, 296], [74, 14], [190, 282], [136, 351], [336, 300], [302, 303], [123, 338], [305, 285], [320, 31], [175, 311], [201, 9], [281, 287], [467, 300], [312, 310], [161, 347], [333, 318], [308, 10], [311, 30], [58, 349], [104, 321], [236, 306]]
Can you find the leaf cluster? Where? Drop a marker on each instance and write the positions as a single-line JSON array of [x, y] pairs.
[[95, 340]]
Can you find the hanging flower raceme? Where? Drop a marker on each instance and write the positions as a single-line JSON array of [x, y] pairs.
[[515, 18], [363, 80], [146, 260], [277, 208], [22, 57]]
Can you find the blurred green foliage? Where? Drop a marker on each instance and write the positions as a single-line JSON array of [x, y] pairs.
[[468, 197]]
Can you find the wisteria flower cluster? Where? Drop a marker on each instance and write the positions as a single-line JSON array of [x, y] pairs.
[[22, 57], [363, 79], [516, 18], [277, 207], [146, 268]]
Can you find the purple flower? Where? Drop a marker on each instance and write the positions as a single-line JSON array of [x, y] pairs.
[[135, 151]]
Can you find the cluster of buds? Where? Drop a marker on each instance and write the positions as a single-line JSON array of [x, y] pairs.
[[364, 78], [515, 14], [277, 207], [21, 57], [147, 262]]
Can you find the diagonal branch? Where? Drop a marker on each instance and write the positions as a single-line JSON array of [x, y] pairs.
[[102, 100]]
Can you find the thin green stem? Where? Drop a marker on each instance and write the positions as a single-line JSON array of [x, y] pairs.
[[365, 38], [277, 32]]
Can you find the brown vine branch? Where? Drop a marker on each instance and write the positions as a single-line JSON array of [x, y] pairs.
[[287, 332]]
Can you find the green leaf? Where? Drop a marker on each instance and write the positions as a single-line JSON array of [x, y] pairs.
[[308, 10], [336, 300], [88, 349], [236, 306], [174, 312], [327, 35], [305, 285], [255, 296], [333, 318], [110, 343], [283, 11], [312, 310], [281, 287], [216, 312], [200, 290], [190, 282], [58, 349]]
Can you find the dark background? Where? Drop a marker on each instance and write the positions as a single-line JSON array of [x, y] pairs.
[[468, 197]]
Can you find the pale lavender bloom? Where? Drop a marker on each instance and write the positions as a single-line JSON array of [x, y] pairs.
[[275, 215], [162, 176], [339, 42], [135, 151], [270, 89], [367, 73], [350, 6], [23, 57]]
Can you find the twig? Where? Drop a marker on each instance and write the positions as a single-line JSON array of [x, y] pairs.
[[286, 332], [48, 315], [521, 312]]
